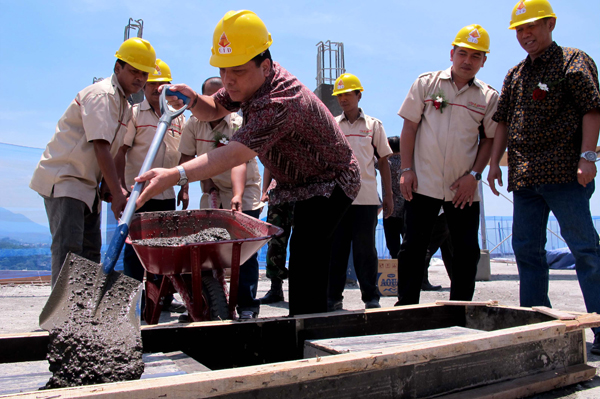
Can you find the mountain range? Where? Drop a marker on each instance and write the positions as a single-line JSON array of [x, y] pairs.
[[20, 228]]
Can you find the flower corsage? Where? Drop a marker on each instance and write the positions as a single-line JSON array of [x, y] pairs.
[[220, 139], [439, 101]]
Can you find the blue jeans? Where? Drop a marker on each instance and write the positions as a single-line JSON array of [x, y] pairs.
[[570, 203]]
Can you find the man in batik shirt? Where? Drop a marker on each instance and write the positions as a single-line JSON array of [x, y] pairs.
[[548, 115]]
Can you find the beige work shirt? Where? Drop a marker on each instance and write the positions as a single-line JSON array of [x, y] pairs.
[[366, 135], [447, 142], [199, 138], [68, 167], [140, 133]]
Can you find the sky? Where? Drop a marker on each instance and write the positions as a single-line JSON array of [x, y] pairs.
[[52, 50]]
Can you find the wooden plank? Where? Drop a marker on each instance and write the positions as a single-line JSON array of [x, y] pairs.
[[186, 363], [557, 314], [467, 303], [23, 347], [402, 362], [335, 346], [531, 385]]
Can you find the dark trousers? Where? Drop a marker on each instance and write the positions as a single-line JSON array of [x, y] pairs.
[[440, 239], [74, 228], [132, 266], [315, 220], [357, 228], [393, 228], [280, 215], [463, 224], [248, 282]]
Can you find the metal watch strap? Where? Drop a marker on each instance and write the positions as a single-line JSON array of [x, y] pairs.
[[183, 179]]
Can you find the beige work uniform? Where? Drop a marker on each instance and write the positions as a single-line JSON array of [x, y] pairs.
[[447, 142], [68, 167], [200, 138], [366, 135], [140, 133]]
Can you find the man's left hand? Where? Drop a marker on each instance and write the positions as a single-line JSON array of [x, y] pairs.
[[388, 206], [586, 172], [465, 191], [236, 203]]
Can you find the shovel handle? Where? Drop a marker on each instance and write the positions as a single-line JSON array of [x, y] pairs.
[[116, 244]]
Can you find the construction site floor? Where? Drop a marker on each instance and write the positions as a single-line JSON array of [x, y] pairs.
[[20, 307]]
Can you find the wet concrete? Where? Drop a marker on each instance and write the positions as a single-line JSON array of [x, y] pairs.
[[95, 335], [206, 235]]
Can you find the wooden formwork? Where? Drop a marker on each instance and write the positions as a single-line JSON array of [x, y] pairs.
[[516, 352]]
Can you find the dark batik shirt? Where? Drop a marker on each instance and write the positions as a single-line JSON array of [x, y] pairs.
[[296, 138], [394, 162], [544, 135]]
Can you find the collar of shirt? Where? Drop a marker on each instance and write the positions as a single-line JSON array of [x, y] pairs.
[[115, 83], [361, 114], [447, 74], [225, 121], [145, 106], [547, 56]]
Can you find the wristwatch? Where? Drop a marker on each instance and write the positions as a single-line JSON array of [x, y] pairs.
[[589, 156], [404, 170], [476, 175], [182, 176]]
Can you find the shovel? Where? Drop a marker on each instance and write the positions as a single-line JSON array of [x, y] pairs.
[[93, 312]]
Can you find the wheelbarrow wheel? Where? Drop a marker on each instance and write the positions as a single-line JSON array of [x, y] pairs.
[[215, 298]]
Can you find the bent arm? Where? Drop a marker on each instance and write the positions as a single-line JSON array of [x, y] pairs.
[[200, 168]]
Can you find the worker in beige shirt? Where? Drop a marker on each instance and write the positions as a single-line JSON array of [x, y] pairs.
[[238, 189], [357, 227], [81, 153], [136, 143], [445, 145]]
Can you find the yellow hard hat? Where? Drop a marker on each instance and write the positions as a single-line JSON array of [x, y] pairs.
[[473, 37], [527, 11], [162, 72], [239, 36], [346, 83], [138, 53]]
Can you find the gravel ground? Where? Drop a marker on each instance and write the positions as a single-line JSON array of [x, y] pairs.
[[20, 307]]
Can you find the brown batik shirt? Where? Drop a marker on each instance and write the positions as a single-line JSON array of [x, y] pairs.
[[296, 138], [544, 129]]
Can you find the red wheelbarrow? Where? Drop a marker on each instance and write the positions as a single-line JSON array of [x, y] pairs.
[[196, 271]]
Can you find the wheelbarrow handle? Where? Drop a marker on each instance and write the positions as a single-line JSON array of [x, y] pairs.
[[120, 234]]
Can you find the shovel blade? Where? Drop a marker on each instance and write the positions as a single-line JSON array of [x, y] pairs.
[[94, 324]]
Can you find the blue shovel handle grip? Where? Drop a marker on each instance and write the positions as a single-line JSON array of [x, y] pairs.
[[179, 95]]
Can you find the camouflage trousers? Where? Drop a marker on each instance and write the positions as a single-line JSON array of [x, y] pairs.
[[280, 215]]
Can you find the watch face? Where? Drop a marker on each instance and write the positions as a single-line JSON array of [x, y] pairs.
[[589, 156], [477, 176]]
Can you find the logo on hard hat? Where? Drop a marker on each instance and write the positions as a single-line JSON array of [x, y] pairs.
[[224, 45], [521, 8], [474, 36], [157, 70], [340, 85]]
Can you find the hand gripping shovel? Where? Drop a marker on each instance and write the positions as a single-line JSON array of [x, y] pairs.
[[93, 312]]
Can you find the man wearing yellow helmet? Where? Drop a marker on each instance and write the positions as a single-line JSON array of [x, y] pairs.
[[136, 143], [549, 116], [294, 136], [367, 138], [445, 145], [81, 154]]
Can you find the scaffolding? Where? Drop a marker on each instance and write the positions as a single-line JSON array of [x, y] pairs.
[[330, 62]]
